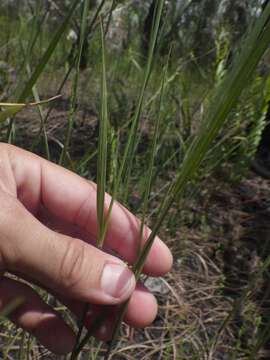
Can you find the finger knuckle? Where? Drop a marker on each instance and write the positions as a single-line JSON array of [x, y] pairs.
[[72, 265]]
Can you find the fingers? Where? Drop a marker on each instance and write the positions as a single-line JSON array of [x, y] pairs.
[[154, 265], [73, 200], [142, 308], [36, 317], [141, 312], [66, 265]]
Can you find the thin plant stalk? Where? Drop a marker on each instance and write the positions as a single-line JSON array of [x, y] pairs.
[[85, 32], [131, 142], [27, 57], [101, 181], [112, 8], [51, 108], [71, 67], [95, 326], [75, 82], [151, 161], [42, 118], [102, 148], [43, 62]]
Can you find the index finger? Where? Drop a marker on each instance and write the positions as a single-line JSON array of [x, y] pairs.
[[72, 199]]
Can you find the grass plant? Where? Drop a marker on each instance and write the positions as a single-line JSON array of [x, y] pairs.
[[195, 137]]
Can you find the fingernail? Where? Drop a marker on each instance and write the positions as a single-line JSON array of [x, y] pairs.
[[117, 280]]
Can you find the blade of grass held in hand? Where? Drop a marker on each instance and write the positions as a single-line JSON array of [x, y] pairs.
[[101, 184], [102, 147]]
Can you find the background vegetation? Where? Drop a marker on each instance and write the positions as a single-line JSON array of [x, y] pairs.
[[215, 303]]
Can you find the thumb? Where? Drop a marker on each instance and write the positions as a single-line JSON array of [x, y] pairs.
[[66, 265]]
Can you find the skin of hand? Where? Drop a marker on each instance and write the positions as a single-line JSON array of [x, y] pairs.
[[48, 228]]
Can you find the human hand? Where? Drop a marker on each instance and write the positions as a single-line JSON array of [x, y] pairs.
[[48, 229]]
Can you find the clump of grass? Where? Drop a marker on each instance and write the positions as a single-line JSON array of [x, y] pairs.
[[223, 100], [27, 90]]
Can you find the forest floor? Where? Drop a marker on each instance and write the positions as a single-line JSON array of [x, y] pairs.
[[216, 256]]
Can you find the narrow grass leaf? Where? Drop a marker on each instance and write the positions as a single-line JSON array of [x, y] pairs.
[[44, 60], [132, 137], [48, 53], [75, 82], [42, 121], [102, 147], [101, 181], [151, 160]]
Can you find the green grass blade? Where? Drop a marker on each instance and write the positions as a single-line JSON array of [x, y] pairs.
[[102, 148], [59, 90], [48, 54], [132, 138], [95, 17], [42, 118], [101, 179], [150, 162], [112, 8]]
